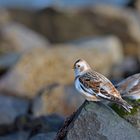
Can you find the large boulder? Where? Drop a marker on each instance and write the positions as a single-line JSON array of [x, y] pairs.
[[56, 99], [16, 37], [96, 121], [4, 17], [11, 108], [15, 40], [40, 67], [60, 25]]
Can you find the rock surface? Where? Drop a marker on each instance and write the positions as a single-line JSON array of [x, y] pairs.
[[95, 121], [16, 136], [40, 67], [17, 37], [57, 98], [8, 60], [44, 136], [46, 124], [10, 108], [61, 25]]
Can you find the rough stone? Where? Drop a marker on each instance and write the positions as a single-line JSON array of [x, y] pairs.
[[96, 121]]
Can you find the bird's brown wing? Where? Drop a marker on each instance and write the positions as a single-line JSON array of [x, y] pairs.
[[89, 82], [103, 89]]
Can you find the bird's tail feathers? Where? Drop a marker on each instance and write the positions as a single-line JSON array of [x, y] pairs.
[[126, 106]]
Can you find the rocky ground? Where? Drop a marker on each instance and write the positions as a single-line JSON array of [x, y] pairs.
[[37, 52]]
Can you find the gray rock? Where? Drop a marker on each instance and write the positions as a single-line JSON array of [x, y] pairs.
[[95, 121], [43, 136], [10, 108], [8, 60]]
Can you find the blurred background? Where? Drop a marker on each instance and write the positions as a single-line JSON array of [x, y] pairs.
[[39, 42]]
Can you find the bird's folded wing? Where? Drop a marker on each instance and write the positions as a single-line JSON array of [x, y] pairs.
[[90, 83], [106, 91]]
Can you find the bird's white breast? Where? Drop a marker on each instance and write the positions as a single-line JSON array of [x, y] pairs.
[[78, 87]]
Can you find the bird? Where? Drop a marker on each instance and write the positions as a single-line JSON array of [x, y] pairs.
[[130, 87], [96, 87]]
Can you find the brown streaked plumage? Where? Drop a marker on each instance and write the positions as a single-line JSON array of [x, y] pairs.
[[92, 84]]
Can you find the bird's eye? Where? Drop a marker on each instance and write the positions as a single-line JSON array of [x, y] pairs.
[[78, 66]]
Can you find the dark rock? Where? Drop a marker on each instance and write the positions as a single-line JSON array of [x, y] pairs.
[[45, 124], [10, 108], [96, 121], [21, 135]]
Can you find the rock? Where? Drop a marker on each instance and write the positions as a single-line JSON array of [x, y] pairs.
[[10, 108], [124, 69], [109, 44], [64, 24], [36, 125], [137, 5], [41, 67], [4, 16], [46, 124], [21, 135], [95, 121], [17, 37], [7, 61], [44, 136], [134, 118], [56, 99]]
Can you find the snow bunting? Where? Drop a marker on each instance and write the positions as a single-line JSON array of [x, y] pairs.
[[130, 87], [94, 86]]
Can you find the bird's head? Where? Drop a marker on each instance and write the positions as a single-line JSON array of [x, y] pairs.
[[80, 67]]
